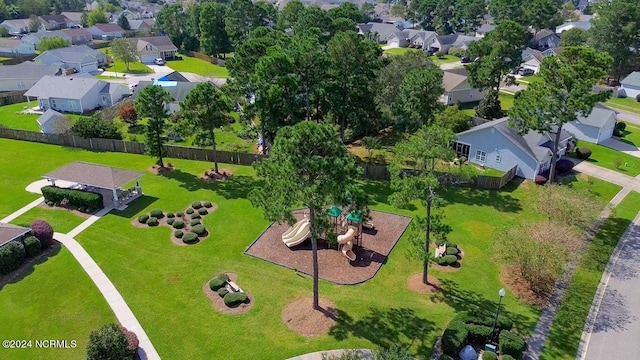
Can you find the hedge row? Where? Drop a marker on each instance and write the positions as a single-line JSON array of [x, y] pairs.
[[454, 337], [77, 198], [512, 344], [12, 255], [485, 318]]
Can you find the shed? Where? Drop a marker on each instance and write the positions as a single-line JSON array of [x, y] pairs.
[[631, 84]]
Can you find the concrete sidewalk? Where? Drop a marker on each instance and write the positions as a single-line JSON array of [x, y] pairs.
[[22, 210], [611, 176]]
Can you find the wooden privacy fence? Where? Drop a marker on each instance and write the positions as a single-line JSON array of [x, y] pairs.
[[494, 182], [12, 97]]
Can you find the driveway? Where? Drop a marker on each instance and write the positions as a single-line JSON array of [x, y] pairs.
[[621, 146], [613, 325]]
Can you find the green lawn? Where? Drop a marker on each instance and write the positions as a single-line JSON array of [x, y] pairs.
[[197, 66], [62, 221], [606, 157], [10, 118], [162, 282], [445, 59], [528, 79], [506, 100], [569, 322], [632, 134], [102, 77], [626, 104], [134, 68], [400, 51]]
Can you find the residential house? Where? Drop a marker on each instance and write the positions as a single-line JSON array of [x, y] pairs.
[[174, 76], [581, 24], [484, 29], [496, 145], [81, 58], [378, 32], [383, 15], [79, 36], [545, 39], [414, 38], [595, 128], [16, 26], [177, 89], [130, 15], [74, 18], [54, 22], [142, 27], [106, 31], [34, 38], [14, 47], [532, 58], [631, 84], [150, 10], [78, 93], [458, 89], [24, 75], [51, 122], [153, 47], [9, 233], [91, 4], [445, 42]]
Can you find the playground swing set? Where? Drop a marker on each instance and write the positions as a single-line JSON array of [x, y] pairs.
[[348, 227]]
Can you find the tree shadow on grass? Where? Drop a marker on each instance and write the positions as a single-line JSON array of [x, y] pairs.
[[395, 326], [500, 200], [29, 266], [235, 187], [135, 206]]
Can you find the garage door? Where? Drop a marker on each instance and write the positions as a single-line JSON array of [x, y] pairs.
[[148, 59], [393, 43], [532, 67], [89, 67]]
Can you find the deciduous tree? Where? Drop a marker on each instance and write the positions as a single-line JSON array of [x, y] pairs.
[[453, 119], [574, 37], [417, 101], [152, 104], [213, 38], [123, 22], [390, 77], [124, 50], [172, 20], [507, 10], [96, 16], [34, 23], [288, 17], [55, 42]]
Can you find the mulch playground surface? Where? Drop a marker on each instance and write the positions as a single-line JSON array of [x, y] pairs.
[[333, 265]]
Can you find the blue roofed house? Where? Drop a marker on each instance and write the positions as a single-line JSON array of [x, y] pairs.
[[23, 76], [631, 84], [595, 128], [378, 32], [78, 93], [81, 58], [496, 145]]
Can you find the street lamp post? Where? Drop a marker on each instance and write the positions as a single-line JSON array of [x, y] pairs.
[[502, 293]]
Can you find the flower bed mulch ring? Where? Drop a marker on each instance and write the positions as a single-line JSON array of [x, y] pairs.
[[300, 317], [218, 302], [157, 170], [211, 175], [72, 209], [414, 283]]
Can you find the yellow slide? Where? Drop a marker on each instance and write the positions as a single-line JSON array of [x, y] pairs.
[[346, 241]]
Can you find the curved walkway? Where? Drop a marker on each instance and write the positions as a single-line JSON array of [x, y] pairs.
[[364, 354]]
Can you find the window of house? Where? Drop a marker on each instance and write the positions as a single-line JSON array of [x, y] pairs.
[[21, 85], [481, 156], [498, 157], [53, 103], [72, 104], [462, 150]]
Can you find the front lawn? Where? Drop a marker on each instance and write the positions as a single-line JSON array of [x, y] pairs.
[[626, 104], [607, 158], [566, 331], [528, 79], [400, 51], [134, 68], [506, 101], [199, 67], [445, 59], [61, 220], [10, 118]]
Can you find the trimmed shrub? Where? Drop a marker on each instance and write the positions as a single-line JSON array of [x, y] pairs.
[[583, 153], [540, 180], [452, 244], [512, 344], [189, 211], [202, 211], [142, 219], [43, 231], [488, 355], [190, 238], [196, 205], [452, 250], [218, 282], [178, 224], [207, 204], [74, 197], [132, 340], [178, 234], [621, 125], [157, 213], [507, 357], [82, 209], [108, 342], [440, 261], [50, 203], [563, 166], [223, 291], [454, 337], [195, 216], [235, 299], [199, 229], [195, 222], [440, 242], [170, 221], [450, 259], [152, 221], [478, 334], [32, 246], [171, 215], [179, 214], [485, 318], [12, 255], [638, 98]]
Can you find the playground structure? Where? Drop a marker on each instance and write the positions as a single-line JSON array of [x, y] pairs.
[[348, 228]]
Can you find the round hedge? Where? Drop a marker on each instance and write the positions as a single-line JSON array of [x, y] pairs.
[[564, 166], [450, 259], [153, 221], [179, 214], [43, 231], [451, 244], [12, 255], [171, 215], [189, 211], [50, 203], [540, 180], [202, 211], [621, 126], [195, 222], [178, 224], [207, 204], [235, 299], [488, 355], [195, 216], [32, 246], [190, 238], [452, 250], [196, 205], [223, 291], [440, 260], [218, 282], [583, 153], [178, 234], [156, 213], [440, 242], [199, 229], [142, 219], [507, 357], [170, 221]]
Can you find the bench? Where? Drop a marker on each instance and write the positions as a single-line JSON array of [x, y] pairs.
[[441, 250], [233, 287]]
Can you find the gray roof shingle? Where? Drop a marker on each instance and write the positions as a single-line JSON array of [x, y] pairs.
[[28, 70], [64, 87], [10, 232], [632, 79], [101, 176]]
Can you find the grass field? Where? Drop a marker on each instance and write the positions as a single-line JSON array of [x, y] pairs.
[[400, 51], [197, 66], [506, 101], [10, 118], [568, 324], [134, 68], [607, 158], [162, 282], [626, 104]]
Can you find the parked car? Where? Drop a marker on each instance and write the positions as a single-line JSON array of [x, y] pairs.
[[526, 72], [515, 71], [465, 60], [159, 61]]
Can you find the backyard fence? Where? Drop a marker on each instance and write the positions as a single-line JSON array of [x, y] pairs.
[[112, 111], [100, 45], [493, 182], [16, 58], [205, 57], [12, 97]]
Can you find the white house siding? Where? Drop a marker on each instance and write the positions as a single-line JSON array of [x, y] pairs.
[[494, 143], [93, 99], [532, 64], [394, 42], [589, 133], [65, 105], [464, 96], [88, 67], [148, 58], [631, 90], [118, 94], [16, 85]]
